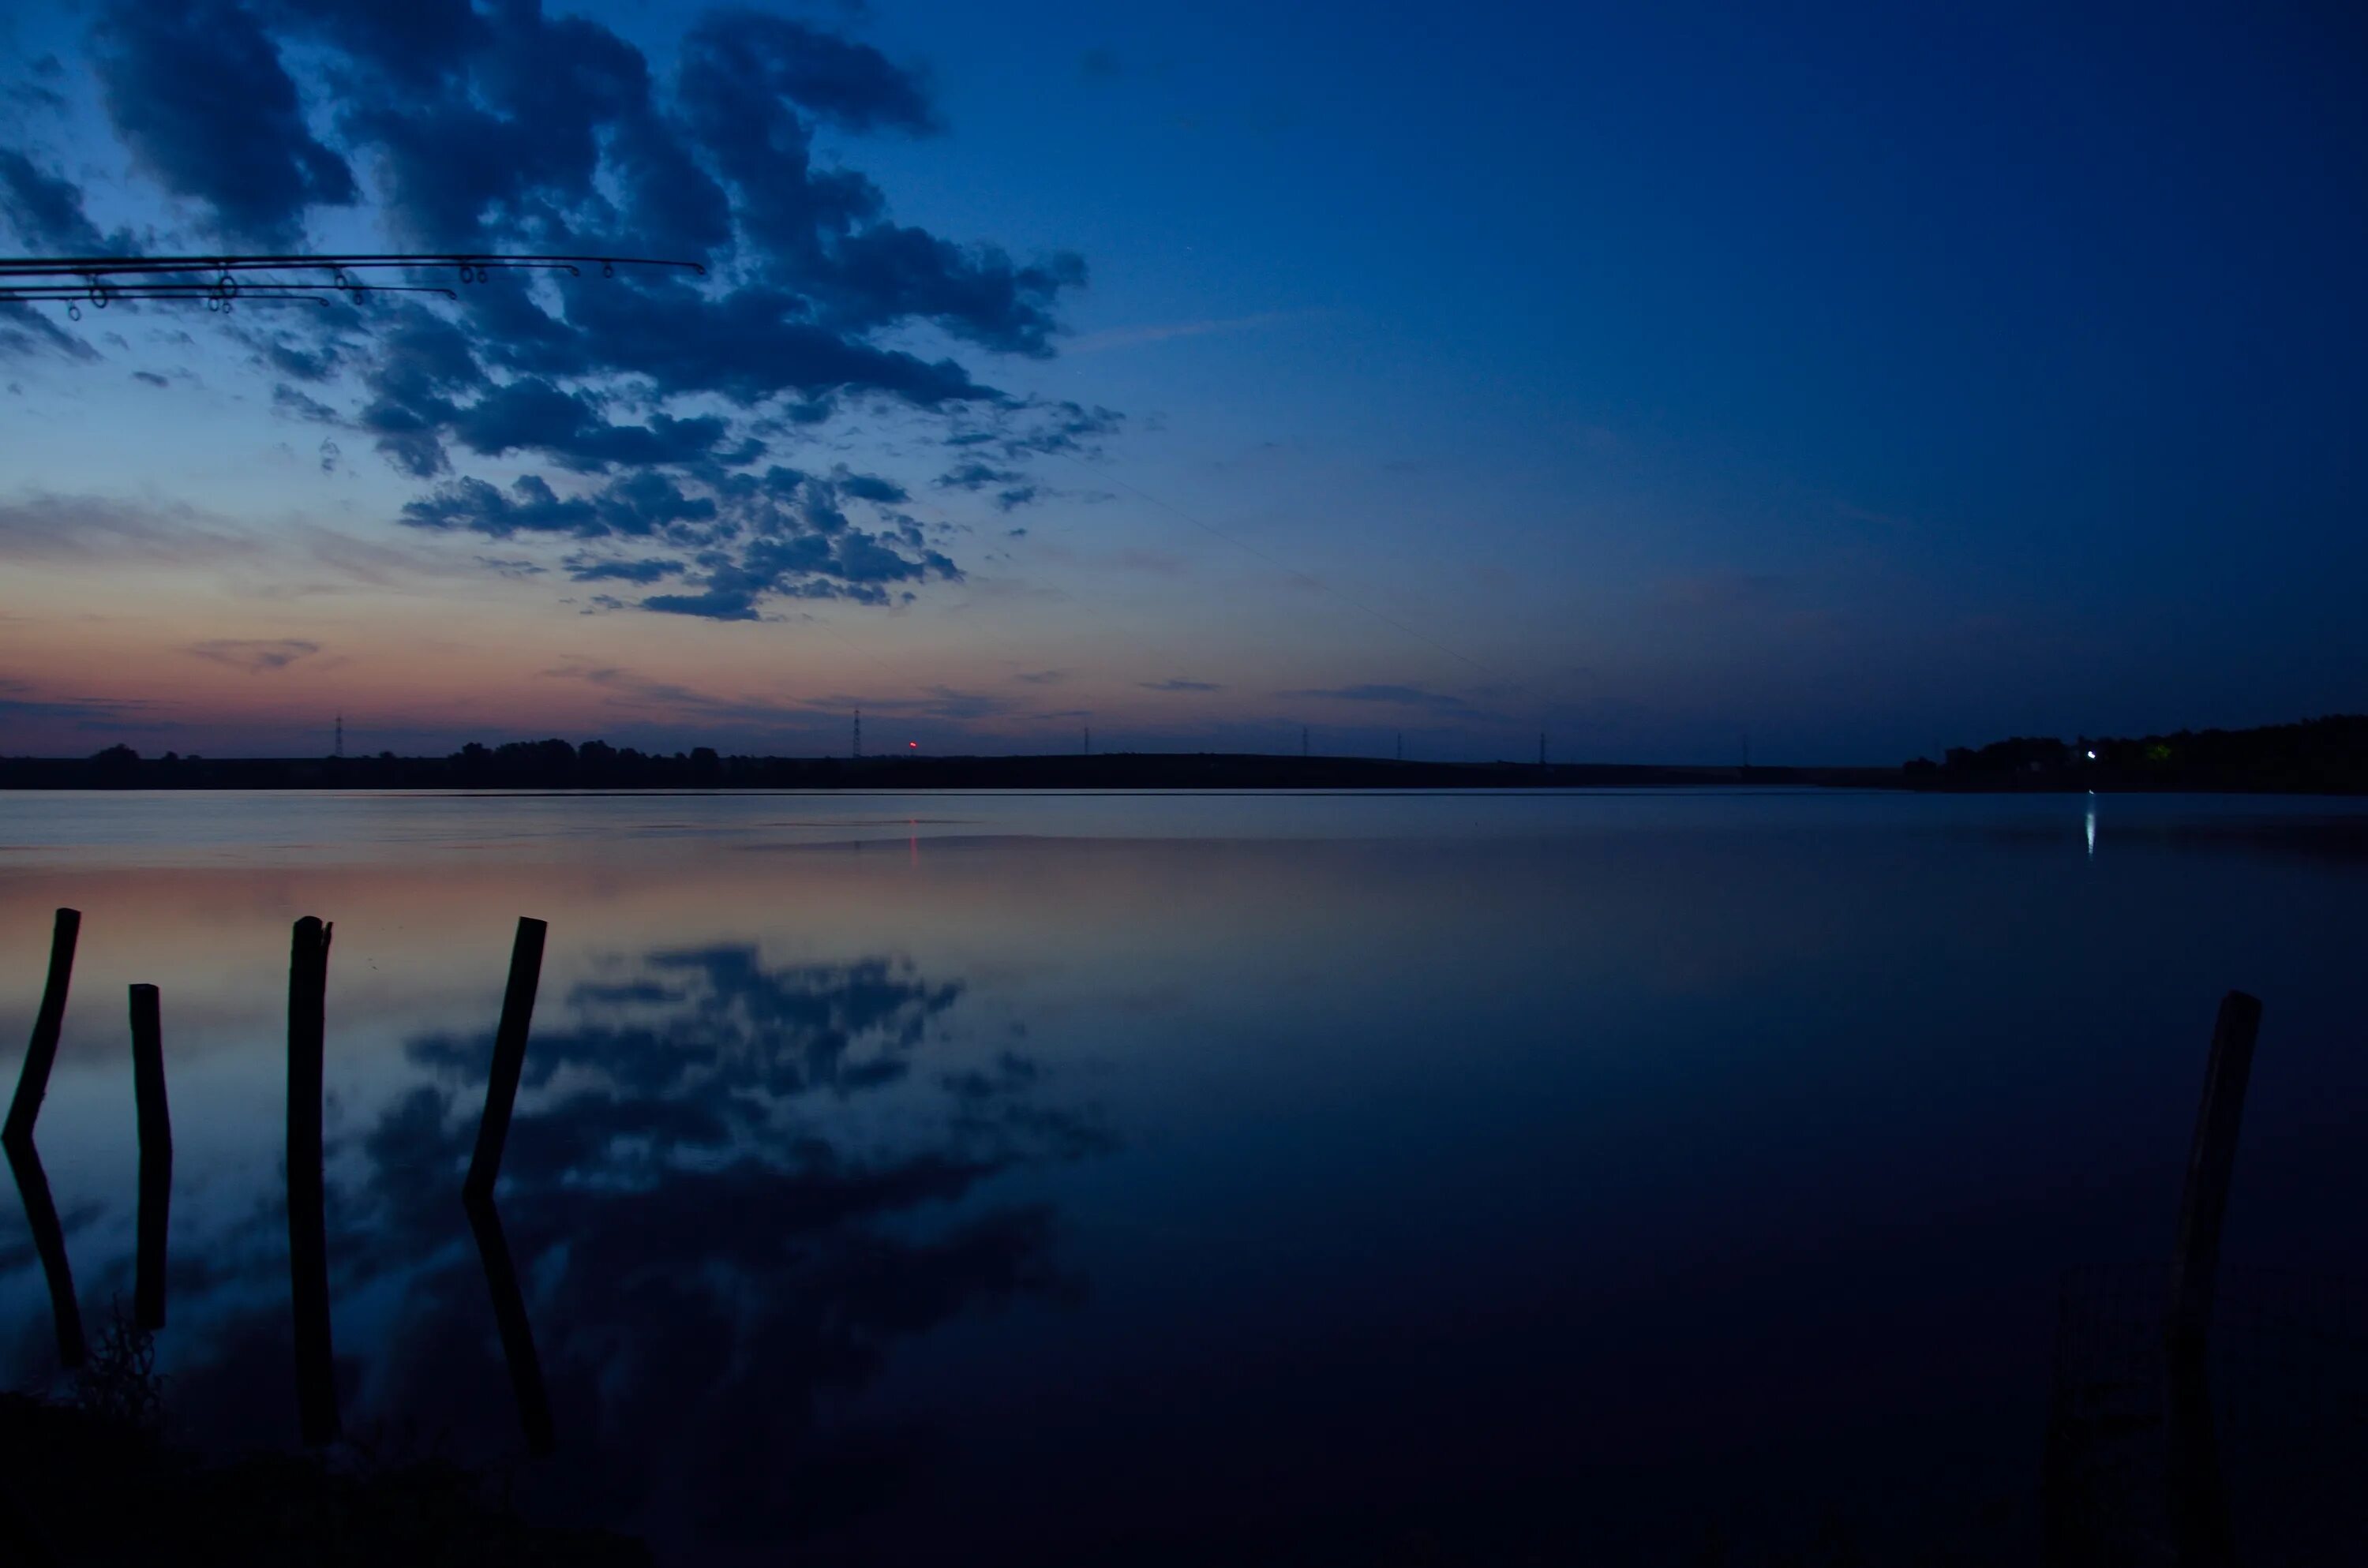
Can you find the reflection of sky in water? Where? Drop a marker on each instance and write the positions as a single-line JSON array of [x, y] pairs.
[[992, 1183]]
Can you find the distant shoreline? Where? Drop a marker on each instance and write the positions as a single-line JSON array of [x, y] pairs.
[[550, 766]]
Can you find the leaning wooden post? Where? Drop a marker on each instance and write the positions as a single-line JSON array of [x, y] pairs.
[[25, 1161], [308, 1247], [509, 1057], [2199, 1508], [41, 1051], [485, 1167], [155, 1158]]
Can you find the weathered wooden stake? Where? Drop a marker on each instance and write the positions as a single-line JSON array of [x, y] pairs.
[[17, 1137], [155, 1158], [308, 1248], [509, 1057], [509, 1316], [2198, 1507], [41, 1051]]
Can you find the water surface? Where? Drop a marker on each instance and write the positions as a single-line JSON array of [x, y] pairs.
[[1126, 1177]]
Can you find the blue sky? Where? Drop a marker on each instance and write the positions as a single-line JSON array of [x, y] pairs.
[[1859, 379]]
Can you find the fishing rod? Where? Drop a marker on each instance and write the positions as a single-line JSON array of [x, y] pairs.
[[101, 278]]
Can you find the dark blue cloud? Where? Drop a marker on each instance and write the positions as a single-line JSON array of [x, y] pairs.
[[737, 541], [1180, 684], [1016, 430], [851, 85], [649, 503], [1011, 431], [643, 571], [297, 405], [729, 602], [26, 330], [44, 210], [534, 416], [750, 344], [887, 273], [529, 506], [871, 487], [501, 126], [739, 87], [415, 42], [199, 93], [38, 90], [515, 145], [1012, 488], [850, 565]]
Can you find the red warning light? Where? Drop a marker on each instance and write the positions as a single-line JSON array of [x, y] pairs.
[[914, 745]]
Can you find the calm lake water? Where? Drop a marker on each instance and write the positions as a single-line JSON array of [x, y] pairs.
[[988, 1179]]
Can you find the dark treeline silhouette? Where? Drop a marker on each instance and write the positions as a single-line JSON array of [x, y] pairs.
[[2328, 756], [595, 765]]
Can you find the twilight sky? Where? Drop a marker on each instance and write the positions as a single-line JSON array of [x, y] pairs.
[[1865, 381]]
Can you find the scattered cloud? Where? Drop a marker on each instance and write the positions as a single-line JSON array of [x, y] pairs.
[[44, 210], [738, 541], [49, 527], [1177, 683], [254, 655], [202, 98], [629, 689], [1042, 678], [26, 331], [20, 702], [508, 127], [1397, 695], [648, 571]]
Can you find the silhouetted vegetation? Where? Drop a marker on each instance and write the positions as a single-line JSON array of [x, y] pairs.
[[2318, 756], [96, 1478], [89, 1484], [2327, 755], [595, 765]]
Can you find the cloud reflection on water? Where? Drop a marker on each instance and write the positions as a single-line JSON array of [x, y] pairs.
[[710, 1263]]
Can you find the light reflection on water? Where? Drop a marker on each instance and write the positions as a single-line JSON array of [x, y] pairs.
[[1012, 1169]]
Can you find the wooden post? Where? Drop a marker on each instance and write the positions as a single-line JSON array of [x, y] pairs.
[[509, 1317], [509, 1057], [25, 1161], [2199, 1508], [308, 1247], [41, 1051], [155, 1158]]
